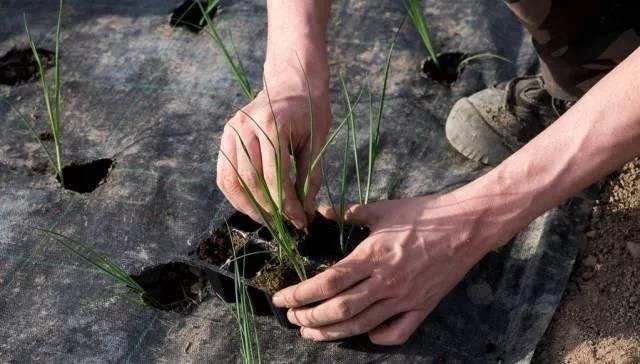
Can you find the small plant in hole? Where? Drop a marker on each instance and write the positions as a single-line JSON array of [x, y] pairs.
[[375, 122], [445, 67], [52, 100], [77, 177], [172, 286], [230, 55]]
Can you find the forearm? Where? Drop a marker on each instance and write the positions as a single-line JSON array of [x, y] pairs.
[[298, 28], [595, 137]]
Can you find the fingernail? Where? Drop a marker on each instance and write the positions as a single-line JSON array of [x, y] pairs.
[[291, 317], [277, 300], [305, 336]]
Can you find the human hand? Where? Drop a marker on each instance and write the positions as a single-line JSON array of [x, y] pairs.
[[418, 250], [281, 110]]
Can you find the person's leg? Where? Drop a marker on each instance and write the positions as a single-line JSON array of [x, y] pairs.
[[578, 42]]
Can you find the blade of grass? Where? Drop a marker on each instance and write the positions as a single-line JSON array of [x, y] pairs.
[[474, 57], [244, 314], [354, 142], [374, 131], [343, 189], [53, 103], [237, 70], [420, 23], [96, 260]]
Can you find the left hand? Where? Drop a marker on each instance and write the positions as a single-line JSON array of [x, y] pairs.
[[418, 250]]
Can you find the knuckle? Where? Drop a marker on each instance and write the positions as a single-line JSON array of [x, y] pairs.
[[343, 309], [331, 282]]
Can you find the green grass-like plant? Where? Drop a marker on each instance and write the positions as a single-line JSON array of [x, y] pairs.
[[478, 56], [244, 315], [421, 25], [375, 122], [52, 100], [96, 260], [230, 54]]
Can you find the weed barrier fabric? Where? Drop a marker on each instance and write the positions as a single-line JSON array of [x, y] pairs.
[[154, 99]]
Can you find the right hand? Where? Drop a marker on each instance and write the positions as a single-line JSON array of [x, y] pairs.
[[288, 96]]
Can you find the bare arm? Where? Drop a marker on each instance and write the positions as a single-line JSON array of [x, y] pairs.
[[296, 31], [420, 248]]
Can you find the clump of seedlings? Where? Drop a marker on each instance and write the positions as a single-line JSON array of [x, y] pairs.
[[245, 315], [79, 177], [441, 67]]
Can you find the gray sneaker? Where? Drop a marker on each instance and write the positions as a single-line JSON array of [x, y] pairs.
[[492, 124]]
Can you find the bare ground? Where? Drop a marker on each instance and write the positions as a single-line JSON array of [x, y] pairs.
[[598, 320]]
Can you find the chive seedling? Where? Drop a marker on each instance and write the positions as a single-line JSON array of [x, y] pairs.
[[244, 315], [230, 55], [420, 23], [52, 99], [374, 126], [99, 261]]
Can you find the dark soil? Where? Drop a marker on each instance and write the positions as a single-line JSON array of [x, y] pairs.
[[448, 72], [319, 245], [173, 286], [189, 15], [598, 320], [86, 177], [19, 65], [322, 239], [216, 248], [275, 276]]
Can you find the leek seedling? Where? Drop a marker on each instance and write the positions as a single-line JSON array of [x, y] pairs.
[[374, 127], [245, 318], [231, 56], [52, 98], [420, 23], [102, 263]]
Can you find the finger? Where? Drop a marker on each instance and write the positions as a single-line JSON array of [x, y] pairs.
[[360, 324], [399, 329], [328, 212], [327, 284], [290, 204], [340, 308], [227, 178], [363, 215]]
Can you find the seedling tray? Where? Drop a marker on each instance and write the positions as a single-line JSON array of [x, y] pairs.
[[257, 251]]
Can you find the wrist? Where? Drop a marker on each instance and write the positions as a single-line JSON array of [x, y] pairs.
[[297, 37]]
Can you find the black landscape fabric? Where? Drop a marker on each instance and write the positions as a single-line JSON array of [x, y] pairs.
[[154, 99]]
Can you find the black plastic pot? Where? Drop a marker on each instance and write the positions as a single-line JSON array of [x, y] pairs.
[[258, 251]]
